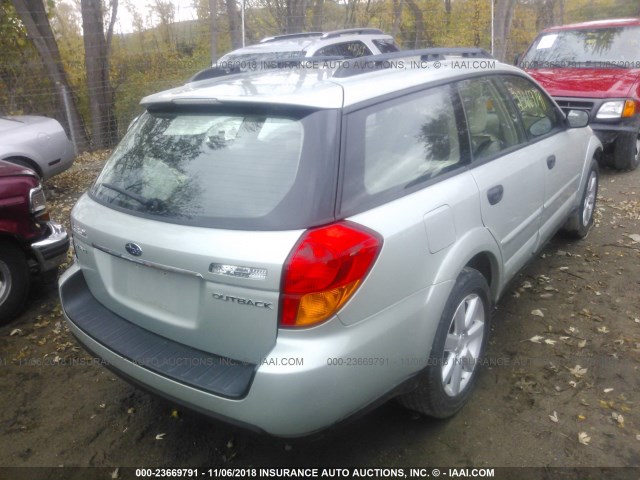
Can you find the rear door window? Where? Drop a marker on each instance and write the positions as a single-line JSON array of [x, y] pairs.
[[400, 145], [491, 119]]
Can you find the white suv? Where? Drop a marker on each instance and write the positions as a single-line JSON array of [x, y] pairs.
[[284, 248], [348, 43]]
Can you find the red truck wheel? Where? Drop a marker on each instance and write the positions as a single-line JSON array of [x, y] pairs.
[[626, 154]]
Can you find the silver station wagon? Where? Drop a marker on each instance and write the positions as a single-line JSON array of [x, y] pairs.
[[282, 249]]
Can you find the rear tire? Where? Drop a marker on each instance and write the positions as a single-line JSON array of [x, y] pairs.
[[626, 152], [14, 281], [459, 344], [581, 222]]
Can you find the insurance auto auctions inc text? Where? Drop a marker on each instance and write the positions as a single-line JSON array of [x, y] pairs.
[[356, 473]]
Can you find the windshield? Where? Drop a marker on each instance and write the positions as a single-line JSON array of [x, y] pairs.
[[615, 47], [233, 168]]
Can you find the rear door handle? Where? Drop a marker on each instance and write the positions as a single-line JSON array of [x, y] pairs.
[[551, 161], [494, 194]]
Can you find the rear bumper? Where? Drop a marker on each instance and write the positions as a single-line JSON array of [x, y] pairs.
[[309, 381], [51, 251]]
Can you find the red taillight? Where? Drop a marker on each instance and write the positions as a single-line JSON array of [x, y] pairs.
[[324, 269]]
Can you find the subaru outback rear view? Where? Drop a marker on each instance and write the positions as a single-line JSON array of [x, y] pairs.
[[284, 248]]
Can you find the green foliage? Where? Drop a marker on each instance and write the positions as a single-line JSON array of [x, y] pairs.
[[24, 84]]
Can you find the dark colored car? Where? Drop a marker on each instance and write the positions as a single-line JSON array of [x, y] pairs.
[[595, 67], [30, 243]]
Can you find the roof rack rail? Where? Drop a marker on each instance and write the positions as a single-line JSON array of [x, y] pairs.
[[288, 36], [353, 31], [216, 71], [371, 63]]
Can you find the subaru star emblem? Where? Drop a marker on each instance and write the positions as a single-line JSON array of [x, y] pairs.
[[134, 249]]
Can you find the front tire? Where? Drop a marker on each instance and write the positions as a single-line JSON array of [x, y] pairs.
[[626, 152], [14, 281], [580, 224], [448, 381]]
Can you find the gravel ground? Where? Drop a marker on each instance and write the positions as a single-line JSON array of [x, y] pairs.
[[560, 387]]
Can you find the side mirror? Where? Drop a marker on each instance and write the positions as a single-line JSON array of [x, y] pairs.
[[541, 127], [577, 118]]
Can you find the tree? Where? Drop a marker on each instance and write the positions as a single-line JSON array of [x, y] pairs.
[[213, 14], [316, 15], [418, 23], [233, 16], [34, 18], [97, 50], [502, 25], [296, 10]]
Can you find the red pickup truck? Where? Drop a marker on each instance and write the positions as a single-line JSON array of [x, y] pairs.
[[595, 66], [30, 243]]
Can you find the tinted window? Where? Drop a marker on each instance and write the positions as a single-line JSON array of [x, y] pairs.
[[346, 50], [539, 115], [491, 119], [400, 144], [386, 46], [228, 168]]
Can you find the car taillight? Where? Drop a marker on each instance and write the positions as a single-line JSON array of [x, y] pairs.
[[323, 270]]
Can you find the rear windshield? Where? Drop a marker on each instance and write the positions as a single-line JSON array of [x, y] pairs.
[[227, 169], [615, 47]]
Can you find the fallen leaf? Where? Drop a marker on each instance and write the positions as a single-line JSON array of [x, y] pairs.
[[230, 443], [563, 269], [583, 438], [15, 331], [174, 413], [131, 411], [115, 473], [527, 284], [638, 437], [160, 436], [554, 417], [546, 295], [537, 312], [581, 417], [548, 341], [634, 237], [577, 371], [607, 390], [573, 384], [603, 329], [582, 343], [536, 339]]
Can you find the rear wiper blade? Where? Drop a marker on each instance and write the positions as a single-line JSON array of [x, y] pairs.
[[153, 204]]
